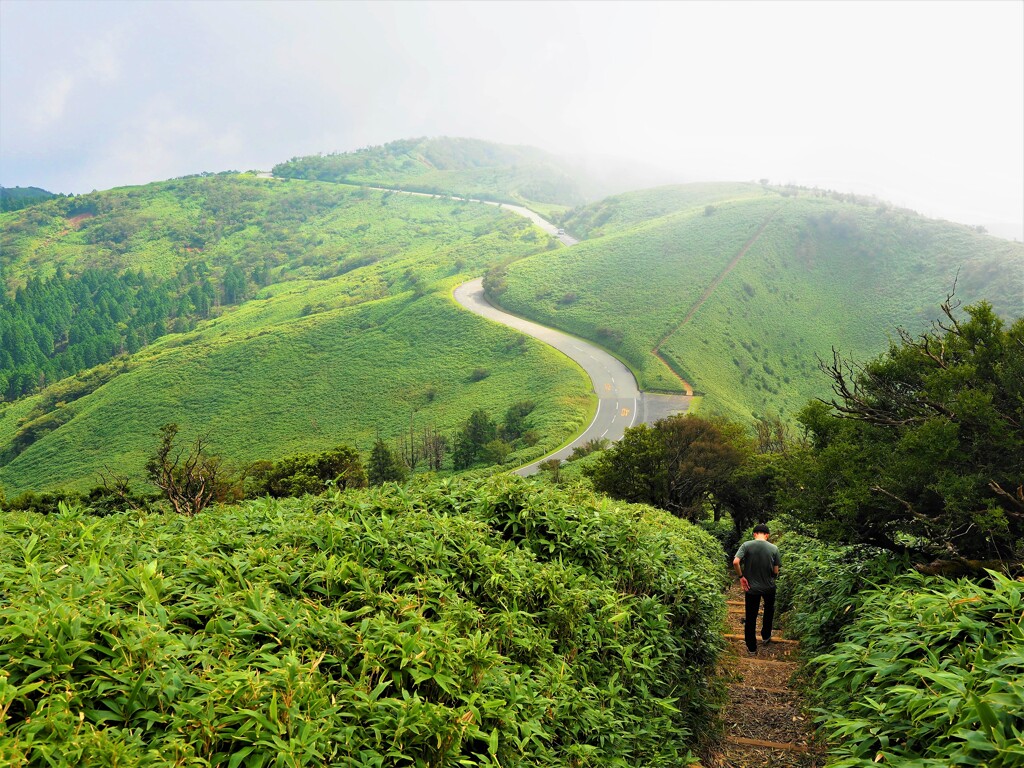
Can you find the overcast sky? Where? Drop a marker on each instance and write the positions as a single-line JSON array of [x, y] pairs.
[[921, 103]]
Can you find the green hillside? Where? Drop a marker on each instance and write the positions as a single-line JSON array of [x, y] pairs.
[[284, 315], [619, 213], [444, 165], [814, 272], [343, 326]]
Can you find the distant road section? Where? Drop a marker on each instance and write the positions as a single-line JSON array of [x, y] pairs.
[[620, 403], [537, 219], [533, 216]]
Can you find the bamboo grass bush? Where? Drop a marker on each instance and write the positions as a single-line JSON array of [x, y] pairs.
[[930, 675], [819, 585], [448, 623], [905, 669]]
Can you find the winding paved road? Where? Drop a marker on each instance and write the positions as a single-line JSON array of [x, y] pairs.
[[533, 216], [620, 403]]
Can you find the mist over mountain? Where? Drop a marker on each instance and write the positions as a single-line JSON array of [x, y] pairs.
[[854, 97]]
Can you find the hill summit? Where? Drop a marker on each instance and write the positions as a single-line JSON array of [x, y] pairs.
[[460, 166]]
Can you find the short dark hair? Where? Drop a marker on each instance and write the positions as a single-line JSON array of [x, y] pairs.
[[761, 528]]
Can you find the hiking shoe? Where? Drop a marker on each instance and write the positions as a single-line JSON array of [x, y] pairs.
[[767, 642], [751, 652]]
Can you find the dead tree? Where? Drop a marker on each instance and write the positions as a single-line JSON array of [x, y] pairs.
[[433, 446], [188, 478]]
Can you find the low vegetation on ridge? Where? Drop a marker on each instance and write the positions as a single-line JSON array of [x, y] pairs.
[[451, 623], [451, 166]]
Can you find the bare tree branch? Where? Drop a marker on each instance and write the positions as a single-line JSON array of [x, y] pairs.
[[1016, 498]]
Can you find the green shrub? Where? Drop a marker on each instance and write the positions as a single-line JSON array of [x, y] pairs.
[[725, 534], [454, 623], [931, 674], [819, 585]]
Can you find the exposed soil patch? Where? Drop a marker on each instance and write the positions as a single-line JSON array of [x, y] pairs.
[[767, 716], [776, 676], [775, 651], [742, 756], [74, 222]]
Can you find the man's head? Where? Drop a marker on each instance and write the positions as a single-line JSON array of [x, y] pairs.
[[761, 531]]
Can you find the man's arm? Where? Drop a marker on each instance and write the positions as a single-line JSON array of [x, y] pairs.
[[739, 572]]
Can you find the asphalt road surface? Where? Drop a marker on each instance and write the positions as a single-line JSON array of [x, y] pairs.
[[620, 403]]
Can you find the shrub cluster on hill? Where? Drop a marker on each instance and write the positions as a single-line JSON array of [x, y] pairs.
[[455, 623]]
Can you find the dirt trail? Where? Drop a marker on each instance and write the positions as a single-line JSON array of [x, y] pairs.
[[656, 351], [765, 722]]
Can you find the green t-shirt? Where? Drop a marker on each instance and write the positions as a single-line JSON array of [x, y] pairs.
[[758, 559]]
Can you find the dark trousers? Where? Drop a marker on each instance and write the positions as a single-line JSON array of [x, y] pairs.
[[753, 603]]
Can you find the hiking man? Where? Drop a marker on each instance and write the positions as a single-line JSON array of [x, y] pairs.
[[757, 564]]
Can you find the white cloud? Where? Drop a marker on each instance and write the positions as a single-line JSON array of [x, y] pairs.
[[923, 99], [50, 101], [152, 144]]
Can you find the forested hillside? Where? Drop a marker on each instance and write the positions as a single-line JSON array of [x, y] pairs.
[[275, 316], [15, 198], [739, 289]]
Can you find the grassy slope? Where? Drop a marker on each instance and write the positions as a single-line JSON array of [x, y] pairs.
[[638, 282], [619, 213], [309, 364], [334, 377], [454, 166], [822, 273]]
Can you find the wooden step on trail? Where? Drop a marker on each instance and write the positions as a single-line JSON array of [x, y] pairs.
[[775, 640], [784, 746], [772, 662]]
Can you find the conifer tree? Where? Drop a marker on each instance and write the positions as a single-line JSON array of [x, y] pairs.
[[385, 465]]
